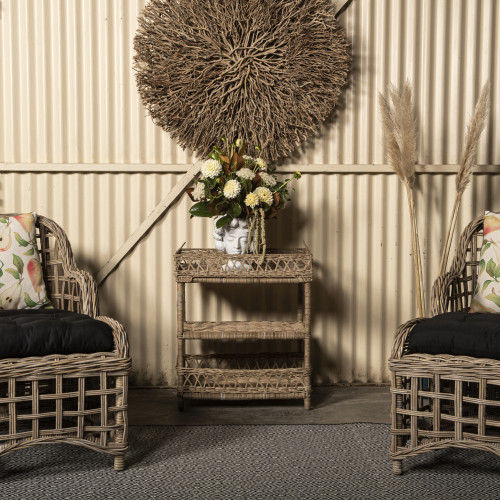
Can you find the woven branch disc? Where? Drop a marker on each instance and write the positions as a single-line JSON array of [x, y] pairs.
[[266, 71]]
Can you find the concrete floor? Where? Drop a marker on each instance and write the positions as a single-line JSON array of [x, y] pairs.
[[330, 405]]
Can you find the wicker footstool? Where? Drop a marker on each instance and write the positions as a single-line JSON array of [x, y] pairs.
[[445, 400]]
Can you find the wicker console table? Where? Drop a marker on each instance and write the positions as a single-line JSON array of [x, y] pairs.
[[244, 376]]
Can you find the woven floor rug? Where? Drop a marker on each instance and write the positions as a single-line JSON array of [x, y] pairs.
[[250, 461]]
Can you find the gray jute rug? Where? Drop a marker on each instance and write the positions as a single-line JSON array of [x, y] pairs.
[[250, 461]]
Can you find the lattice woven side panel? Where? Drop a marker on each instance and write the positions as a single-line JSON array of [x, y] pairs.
[[446, 407], [73, 408]]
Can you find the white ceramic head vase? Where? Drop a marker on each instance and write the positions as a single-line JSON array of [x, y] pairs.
[[231, 238]]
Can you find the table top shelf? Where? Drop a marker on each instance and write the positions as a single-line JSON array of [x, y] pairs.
[[200, 265]]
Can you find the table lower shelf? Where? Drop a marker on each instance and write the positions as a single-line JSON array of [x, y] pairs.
[[238, 377]]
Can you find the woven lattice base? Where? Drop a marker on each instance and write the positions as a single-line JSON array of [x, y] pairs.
[[86, 408], [262, 376], [443, 401]]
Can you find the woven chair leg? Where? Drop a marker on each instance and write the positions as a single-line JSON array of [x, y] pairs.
[[119, 464], [397, 467]]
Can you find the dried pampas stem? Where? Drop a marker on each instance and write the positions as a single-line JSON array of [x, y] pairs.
[[466, 168], [398, 120]]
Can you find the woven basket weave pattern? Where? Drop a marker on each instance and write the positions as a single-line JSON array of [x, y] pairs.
[[78, 398], [441, 401]]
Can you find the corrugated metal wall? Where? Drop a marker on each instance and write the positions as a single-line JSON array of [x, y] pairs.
[[76, 146]]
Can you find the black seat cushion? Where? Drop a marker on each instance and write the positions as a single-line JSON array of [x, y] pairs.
[[42, 332], [458, 333]]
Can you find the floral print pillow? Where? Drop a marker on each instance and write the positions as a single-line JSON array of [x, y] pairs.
[[21, 279], [487, 294]]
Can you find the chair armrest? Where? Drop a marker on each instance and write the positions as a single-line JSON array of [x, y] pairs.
[[400, 340], [119, 336], [449, 293], [74, 287], [440, 295], [87, 290]]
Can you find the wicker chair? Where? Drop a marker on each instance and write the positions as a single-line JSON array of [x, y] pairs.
[[78, 398], [441, 401]]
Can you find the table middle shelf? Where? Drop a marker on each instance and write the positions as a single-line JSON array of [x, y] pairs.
[[244, 330]]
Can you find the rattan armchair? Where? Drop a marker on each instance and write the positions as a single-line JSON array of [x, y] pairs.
[[78, 398], [441, 401]]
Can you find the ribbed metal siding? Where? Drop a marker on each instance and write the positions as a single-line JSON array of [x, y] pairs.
[[67, 95]]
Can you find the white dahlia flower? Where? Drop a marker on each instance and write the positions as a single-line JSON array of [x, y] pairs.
[[232, 189], [264, 195], [211, 169], [251, 200], [245, 173], [268, 179]]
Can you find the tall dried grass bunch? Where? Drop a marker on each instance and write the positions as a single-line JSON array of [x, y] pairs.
[[269, 71], [466, 167], [400, 131]]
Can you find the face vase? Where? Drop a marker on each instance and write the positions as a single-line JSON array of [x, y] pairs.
[[232, 239]]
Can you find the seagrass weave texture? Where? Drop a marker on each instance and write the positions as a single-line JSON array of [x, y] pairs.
[[78, 398], [441, 401]]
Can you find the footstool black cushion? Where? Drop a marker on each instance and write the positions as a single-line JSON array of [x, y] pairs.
[[459, 334], [41, 332]]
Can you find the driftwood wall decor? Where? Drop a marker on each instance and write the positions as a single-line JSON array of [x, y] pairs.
[[267, 71]]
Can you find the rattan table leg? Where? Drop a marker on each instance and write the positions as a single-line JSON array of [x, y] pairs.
[[181, 349], [306, 292], [300, 302]]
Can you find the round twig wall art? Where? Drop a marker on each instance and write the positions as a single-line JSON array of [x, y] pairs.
[[266, 71]]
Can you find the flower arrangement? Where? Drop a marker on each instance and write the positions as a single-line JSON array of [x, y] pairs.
[[235, 185]]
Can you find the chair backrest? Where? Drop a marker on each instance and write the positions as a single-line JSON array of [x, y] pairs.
[[465, 265], [57, 262]]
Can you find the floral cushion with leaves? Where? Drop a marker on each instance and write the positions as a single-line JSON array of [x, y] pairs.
[[487, 294], [21, 279]]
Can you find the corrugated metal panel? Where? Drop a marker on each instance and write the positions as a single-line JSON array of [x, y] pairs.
[[67, 95], [68, 92], [355, 225]]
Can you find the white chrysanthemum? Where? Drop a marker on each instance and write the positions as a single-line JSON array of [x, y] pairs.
[[251, 200], [232, 189], [261, 164], [211, 169], [268, 179], [245, 173], [198, 191], [264, 195]]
